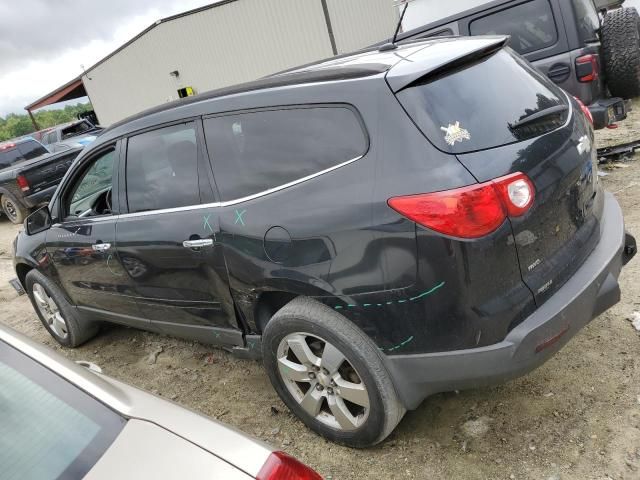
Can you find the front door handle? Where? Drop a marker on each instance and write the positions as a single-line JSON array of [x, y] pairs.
[[101, 247], [204, 242]]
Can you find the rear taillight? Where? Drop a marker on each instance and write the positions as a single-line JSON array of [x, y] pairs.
[[469, 212], [23, 183], [587, 68], [280, 466], [585, 110]]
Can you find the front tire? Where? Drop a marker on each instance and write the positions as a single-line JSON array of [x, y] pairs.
[[15, 212], [57, 315], [330, 374]]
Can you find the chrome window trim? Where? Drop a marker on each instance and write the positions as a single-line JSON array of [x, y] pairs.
[[229, 203]]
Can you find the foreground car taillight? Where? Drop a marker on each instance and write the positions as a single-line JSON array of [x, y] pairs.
[[585, 110], [22, 183], [469, 212], [280, 466]]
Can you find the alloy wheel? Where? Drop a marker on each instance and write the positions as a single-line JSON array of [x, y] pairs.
[[50, 311], [10, 210], [322, 381]]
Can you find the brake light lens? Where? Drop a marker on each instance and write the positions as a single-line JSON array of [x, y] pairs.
[[7, 146], [280, 466], [587, 68], [585, 110], [23, 183], [469, 212]]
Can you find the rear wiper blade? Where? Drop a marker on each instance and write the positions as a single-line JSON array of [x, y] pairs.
[[534, 117]]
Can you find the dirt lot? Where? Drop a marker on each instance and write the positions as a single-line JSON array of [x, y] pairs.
[[577, 417]]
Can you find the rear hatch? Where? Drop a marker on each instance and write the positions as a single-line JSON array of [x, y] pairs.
[[48, 171], [499, 116]]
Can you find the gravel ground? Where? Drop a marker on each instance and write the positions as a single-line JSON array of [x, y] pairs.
[[576, 417]]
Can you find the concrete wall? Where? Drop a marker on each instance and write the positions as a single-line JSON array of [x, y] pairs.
[[229, 44]]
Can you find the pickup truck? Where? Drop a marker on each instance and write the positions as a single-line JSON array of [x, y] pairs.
[[75, 134], [29, 175]]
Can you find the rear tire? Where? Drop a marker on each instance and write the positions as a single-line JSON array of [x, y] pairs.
[[58, 316], [14, 211], [341, 389], [621, 52]]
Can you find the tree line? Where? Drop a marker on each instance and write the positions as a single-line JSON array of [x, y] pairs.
[[14, 125]]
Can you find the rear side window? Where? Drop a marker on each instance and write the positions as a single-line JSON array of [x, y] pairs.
[[162, 169], [496, 101], [587, 19], [531, 26], [257, 151], [50, 138]]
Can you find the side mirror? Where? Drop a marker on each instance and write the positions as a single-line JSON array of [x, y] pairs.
[[38, 221]]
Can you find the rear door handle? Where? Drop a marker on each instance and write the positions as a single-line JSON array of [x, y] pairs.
[[204, 242], [101, 247]]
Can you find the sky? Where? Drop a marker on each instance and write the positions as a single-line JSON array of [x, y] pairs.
[[44, 42]]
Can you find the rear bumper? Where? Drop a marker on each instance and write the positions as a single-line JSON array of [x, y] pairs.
[[592, 290], [43, 196], [608, 111]]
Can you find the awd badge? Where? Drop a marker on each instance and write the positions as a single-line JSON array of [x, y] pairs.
[[455, 133]]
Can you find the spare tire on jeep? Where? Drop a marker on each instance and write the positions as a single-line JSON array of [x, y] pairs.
[[621, 51]]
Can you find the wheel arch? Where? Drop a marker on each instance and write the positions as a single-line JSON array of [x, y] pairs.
[[22, 269]]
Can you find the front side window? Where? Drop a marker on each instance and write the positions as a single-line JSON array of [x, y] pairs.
[[49, 429], [257, 151], [162, 169], [91, 194], [531, 26]]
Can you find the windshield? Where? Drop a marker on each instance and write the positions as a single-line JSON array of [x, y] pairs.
[[485, 104], [49, 429]]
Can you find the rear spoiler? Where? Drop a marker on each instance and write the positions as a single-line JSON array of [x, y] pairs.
[[440, 56]]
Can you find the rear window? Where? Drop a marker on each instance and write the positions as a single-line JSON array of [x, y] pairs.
[[49, 429], [255, 152], [531, 26], [485, 105], [23, 151], [10, 156], [31, 149]]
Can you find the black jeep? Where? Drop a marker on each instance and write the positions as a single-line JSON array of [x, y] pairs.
[[587, 48]]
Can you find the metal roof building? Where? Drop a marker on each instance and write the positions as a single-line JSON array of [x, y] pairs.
[[227, 42]]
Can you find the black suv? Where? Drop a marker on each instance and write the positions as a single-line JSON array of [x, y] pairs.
[[378, 228], [595, 57]]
